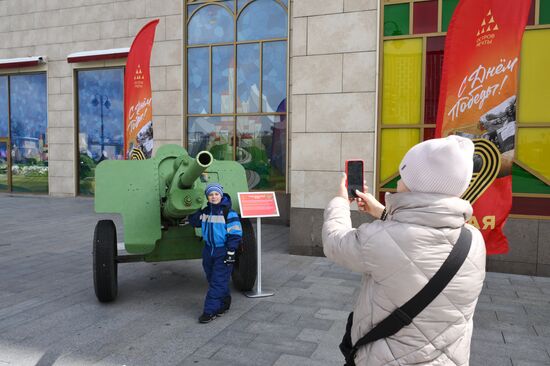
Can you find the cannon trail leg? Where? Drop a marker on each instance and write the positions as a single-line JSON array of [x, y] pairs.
[[105, 264]]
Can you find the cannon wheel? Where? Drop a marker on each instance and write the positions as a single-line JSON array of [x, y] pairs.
[[245, 269], [105, 265]]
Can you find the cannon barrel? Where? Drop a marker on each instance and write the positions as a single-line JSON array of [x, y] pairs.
[[182, 199], [203, 160]]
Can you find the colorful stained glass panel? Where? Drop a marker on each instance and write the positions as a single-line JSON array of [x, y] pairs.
[[396, 19], [425, 17], [534, 92], [402, 81], [434, 69], [448, 8], [394, 144], [532, 145], [544, 12]]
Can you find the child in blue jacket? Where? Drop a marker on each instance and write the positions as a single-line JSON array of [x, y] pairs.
[[221, 237]]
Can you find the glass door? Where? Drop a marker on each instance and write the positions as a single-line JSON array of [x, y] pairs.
[[5, 166]]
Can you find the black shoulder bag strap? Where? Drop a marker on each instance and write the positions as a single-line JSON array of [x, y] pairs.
[[404, 315]]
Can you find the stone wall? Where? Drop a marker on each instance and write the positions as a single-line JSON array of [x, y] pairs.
[[529, 248], [56, 28], [332, 104]]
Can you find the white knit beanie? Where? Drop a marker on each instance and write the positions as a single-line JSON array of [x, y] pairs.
[[442, 165]]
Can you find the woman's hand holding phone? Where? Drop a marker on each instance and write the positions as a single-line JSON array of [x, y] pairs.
[[368, 204]]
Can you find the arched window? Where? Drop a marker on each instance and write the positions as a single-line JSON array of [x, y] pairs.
[[262, 19], [210, 24], [236, 65]]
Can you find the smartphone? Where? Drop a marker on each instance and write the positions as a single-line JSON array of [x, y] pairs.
[[354, 174]]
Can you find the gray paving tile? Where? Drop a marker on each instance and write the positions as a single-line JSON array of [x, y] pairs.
[[49, 314]]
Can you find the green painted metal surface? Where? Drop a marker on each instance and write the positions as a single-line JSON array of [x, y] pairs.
[[155, 197]]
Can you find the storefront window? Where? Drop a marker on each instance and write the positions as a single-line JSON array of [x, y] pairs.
[[261, 150], [3, 166], [100, 122], [28, 127], [4, 107], [411, 79], [236, 88], [214, 134]]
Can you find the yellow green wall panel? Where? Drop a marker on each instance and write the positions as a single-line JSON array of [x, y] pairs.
[[534, 90], [533, 150], [402, 81], [394, 144]]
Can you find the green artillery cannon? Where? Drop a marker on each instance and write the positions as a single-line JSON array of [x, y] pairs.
[[154, 198]]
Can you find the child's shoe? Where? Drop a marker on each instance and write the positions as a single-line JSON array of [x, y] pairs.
[[226, 304], [206, 318]]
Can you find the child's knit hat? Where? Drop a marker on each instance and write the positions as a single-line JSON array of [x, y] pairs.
[[213, 187]]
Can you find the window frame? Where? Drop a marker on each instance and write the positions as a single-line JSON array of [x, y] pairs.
[[77, 120], [8, 139], [235, 14]]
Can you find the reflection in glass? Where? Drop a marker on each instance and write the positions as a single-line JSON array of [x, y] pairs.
[[3, 106], [3, 166], [191, 8], [261, 149], [100, 122], [214, 134], [28, 122], [198, 80], [211, 24], [248, 78], [223, 77], [262, 19], [274, 76]]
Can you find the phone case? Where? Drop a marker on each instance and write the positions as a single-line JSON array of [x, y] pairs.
[[362, 174]]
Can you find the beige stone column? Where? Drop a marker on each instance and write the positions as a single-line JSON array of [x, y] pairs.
[[332, 105]]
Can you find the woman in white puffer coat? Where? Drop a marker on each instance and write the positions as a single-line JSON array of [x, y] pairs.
[[400, 254]]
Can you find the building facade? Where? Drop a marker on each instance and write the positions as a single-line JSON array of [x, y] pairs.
[[289, 88]]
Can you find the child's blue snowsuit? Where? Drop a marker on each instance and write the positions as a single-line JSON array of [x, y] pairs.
[[219, 237]]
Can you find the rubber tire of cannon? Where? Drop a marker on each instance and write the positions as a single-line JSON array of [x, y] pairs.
[[105, 265], [245, 268]]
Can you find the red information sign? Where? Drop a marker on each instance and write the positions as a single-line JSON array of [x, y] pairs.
[[258, 204]]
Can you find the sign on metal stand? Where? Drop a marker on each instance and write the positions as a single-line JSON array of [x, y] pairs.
[[258, 205]]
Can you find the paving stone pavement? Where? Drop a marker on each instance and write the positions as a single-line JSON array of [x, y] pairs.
[[49, 314]]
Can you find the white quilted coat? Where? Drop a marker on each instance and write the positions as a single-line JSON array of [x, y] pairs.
[[398, 257]]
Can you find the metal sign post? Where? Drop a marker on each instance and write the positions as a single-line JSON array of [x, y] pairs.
[[258, 291], [258, 205]]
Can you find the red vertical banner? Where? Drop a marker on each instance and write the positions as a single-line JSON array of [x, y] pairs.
[[138, 111], [478, 96]]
